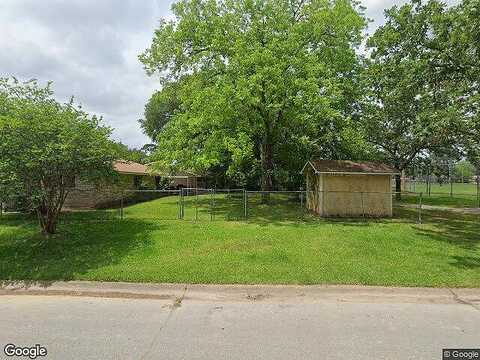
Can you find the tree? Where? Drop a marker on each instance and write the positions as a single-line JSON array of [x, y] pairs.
[[159, 110], [465, 171], [412, 105], [262, 85], [463, 58], [45, 144], [130, 154]]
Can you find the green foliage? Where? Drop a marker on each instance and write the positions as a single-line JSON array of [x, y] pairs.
[[254, 88], [464, 170], [406, 110], [160, 109], [44, 145], [421, 89], [125, 153]]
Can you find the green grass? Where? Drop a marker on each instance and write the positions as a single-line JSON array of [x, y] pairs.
[[274, 247], [458, 188], [464, 195], [442, 200]]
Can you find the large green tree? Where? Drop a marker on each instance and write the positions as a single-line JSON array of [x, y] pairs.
[[414, 92], [44, 145], [160, 109], [463, 59], [422, 82], [260, 86]]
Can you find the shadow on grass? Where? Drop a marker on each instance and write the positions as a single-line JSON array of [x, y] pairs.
[[443, 200], [455, 228], [78, 248], [466, 262]]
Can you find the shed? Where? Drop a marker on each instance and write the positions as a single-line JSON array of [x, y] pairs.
[[349, 188]]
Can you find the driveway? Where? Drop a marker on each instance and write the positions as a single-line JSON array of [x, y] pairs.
[[241, 322]]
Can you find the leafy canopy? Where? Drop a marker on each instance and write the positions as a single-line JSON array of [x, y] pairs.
[[44, 145], [258, 86], [416, 88]]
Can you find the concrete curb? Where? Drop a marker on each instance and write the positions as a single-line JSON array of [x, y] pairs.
[[244, 293]]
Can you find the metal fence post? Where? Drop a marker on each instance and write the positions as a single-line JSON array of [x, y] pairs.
[[301, 201], [429, 185], [196, 204], [180, 204], [363, 206], [450, 177], [245, 206], [183, 204], [212, 204], [420, 208], [121, 207], [478, 191]]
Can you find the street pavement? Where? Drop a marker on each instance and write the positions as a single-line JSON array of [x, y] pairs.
[[243, 323]]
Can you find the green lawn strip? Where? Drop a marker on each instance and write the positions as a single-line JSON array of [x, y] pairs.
[[268, 249], [458, 188], [442, 200]]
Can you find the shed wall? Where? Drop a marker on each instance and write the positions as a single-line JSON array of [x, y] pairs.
[[357, 195], [349, 195]]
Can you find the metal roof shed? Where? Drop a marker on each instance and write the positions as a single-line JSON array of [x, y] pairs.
[[349, 188]]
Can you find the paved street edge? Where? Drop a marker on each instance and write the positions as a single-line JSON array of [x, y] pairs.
[[248, 293]]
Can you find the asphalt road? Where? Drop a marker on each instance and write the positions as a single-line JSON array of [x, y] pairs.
[[253, 328]]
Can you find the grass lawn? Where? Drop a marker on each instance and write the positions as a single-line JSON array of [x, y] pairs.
[[464, 195], [458, 188], [274, 247], [442, 200]]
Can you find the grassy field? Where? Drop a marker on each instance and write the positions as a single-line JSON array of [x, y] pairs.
[[464, 195], [458, 188], [442, 200], [274, 247]]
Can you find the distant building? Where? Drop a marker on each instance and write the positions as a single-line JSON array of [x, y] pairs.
[[132, 176], [347, 188]]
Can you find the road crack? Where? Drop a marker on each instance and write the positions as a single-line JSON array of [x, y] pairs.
[[176, 304], [459, 300]]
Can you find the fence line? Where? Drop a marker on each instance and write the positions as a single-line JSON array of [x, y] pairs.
[[241, 204]]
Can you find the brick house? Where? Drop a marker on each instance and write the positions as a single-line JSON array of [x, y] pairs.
[[131, 176]]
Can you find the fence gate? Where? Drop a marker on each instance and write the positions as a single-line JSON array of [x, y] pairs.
[[228, 204], [196, 204]]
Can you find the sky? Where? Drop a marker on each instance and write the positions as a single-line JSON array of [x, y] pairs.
[[90, 48]]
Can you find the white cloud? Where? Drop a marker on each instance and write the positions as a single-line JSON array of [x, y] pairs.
[[89, 49]]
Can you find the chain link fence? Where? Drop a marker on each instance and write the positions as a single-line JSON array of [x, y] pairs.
[[194, 204]]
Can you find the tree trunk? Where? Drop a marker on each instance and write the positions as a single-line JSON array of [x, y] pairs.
[[48, 215], [266, 156], [398, 187], [47, 219], [50, 226]]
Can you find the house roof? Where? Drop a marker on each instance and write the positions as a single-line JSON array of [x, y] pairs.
[[133, 168], [130, 167], [350, 167]]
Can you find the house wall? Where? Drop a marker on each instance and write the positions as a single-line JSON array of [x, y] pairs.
[[349, 195], [190, 182], [86, 195]]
